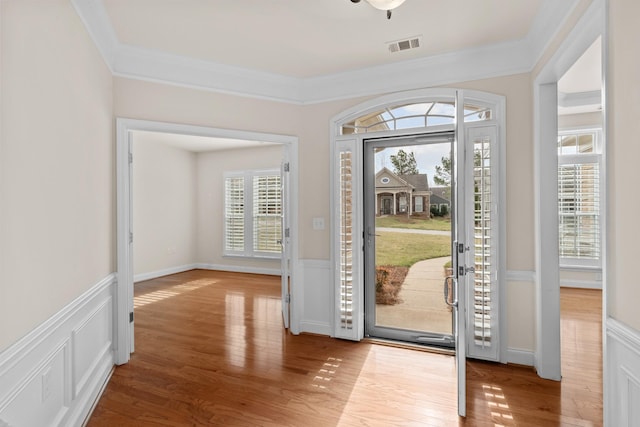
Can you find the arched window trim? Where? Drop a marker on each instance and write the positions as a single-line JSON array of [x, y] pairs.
[[486, 101]]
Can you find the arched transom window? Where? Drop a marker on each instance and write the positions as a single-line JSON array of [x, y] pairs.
[[417, 115]]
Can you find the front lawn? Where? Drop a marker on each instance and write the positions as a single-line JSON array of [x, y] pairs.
[[414, 222], [405, 249]]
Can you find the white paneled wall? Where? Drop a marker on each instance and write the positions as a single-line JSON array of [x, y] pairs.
[[52, 376], [622, 375], [316, 293]]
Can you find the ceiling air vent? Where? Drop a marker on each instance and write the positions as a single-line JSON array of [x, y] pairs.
[[406, 44]]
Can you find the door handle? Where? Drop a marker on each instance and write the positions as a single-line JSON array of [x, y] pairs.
[[448, 290]]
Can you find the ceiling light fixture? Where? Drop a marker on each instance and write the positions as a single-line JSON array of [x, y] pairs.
[[387, 5]]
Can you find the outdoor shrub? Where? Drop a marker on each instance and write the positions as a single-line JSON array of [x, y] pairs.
[[382, 278]]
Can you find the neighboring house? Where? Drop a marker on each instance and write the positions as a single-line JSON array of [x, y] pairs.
[[440, 197], [401, 193]]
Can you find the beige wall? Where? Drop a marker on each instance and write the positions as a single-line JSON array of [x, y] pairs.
[[623, 154], [57, 164], [164, 205], [210, 216]]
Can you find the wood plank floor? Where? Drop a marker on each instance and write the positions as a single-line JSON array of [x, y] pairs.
[[210, 351]]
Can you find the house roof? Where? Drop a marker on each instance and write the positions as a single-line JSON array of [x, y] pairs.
[[440, 192], [418, 181]]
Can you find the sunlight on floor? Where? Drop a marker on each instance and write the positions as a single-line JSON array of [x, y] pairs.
[[498, 405], [326, 373], [172, 291]]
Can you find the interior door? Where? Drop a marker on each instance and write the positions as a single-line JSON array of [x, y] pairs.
[[285, 242]]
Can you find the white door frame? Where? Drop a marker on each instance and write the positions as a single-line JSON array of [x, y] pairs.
[[547, 273], [124, 289], [340, 142]]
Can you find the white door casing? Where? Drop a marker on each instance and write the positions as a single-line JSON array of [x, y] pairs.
[[124, 336]]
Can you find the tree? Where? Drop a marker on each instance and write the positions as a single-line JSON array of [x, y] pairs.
[[442, 176], [404, 164]]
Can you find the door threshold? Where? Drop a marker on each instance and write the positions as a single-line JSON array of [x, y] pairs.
[[411, 346]]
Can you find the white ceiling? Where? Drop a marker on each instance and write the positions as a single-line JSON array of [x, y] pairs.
[[307, 38]]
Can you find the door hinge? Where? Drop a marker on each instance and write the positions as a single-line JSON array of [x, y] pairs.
[[287, 298], [131, 317], [287, 232], [131, 237], [130, 157], [286, 167]]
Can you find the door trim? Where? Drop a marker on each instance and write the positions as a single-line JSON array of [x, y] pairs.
[[353, 144], [124, 289]]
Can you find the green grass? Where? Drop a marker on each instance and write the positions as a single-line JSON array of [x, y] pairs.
[[404, 249], [415, 222]]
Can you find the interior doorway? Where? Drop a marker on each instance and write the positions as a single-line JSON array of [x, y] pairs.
[[124, 310]]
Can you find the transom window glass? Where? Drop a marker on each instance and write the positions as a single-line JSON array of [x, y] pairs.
[[253, 213], [410, 116], [579, 188]]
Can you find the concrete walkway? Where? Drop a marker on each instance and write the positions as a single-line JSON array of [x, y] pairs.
[[422, 307]]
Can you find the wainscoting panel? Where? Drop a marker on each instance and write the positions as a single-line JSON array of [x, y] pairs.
[[52, 376], [622, 375], [317, 296]]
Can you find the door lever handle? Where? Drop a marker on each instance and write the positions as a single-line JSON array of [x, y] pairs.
[[448, 290]]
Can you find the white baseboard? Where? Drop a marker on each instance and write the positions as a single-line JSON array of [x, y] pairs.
[[165, 272], [622, 375], [581, 284], [239, 269], [53, 375], [315, 328], [520, 357]]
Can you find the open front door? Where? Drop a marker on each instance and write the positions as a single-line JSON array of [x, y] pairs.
[[458, 253], [285, 242]]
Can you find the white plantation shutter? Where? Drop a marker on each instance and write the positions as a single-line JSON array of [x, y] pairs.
[[253, 214], [579, 210], [267, 213], [482, 298], [579, 188], [348, 300], [234, 213]]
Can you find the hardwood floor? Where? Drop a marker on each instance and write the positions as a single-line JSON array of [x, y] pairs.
[[210, 350]]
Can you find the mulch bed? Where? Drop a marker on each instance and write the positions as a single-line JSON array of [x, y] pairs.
[[389, 280]]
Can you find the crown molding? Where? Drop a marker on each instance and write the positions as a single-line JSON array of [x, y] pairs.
[[471, 64]]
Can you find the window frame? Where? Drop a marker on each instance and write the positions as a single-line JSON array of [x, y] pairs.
[[594, 157], [249, 250]]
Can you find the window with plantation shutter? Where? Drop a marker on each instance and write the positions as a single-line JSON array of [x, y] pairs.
[[579, 208], [267, 214], [348, 249], [253, 214], [234, 214], [483, 296]]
